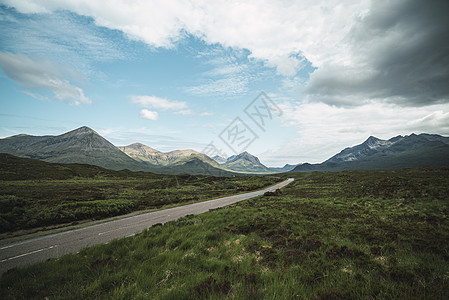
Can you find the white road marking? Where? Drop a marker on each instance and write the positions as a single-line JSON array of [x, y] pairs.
[[25, 254], [6, 247]]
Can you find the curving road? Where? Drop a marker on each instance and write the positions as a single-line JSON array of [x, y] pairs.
[[55, 245]]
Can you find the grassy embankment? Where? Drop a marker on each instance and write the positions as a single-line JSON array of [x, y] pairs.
[[354, 234], [35, 194]]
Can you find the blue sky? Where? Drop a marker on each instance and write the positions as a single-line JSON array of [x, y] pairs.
[[174, 76]]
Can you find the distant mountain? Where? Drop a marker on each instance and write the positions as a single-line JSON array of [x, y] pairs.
[[219, 159], [370, 147], [395, 153], [245, 162], [285, 168], [174, 162], [82, 145], [146, 154]]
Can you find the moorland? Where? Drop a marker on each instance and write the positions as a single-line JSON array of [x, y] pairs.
[[328, 235]]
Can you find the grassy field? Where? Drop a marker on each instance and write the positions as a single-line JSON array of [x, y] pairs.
[[35, 194], [349, 235]]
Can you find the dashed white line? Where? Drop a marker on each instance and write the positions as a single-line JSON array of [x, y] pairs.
[[25, 254], [6, 247]]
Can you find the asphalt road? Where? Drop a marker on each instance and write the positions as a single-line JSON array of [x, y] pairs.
[[55, 245]]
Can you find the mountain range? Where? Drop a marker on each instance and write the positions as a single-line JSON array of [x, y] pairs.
[[396, 153], [85, 146]]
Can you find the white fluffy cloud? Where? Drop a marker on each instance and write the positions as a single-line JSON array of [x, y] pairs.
[[40, 75], [158, 103], [149, 115], [152, 102]]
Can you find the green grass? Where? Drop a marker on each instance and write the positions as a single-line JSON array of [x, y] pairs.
[[348, 235], [35, 194]]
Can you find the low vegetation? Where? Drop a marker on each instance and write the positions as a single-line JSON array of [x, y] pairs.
[[35, 194], [350, 235]]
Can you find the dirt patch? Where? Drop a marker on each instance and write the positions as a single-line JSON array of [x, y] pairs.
[[212, 286]]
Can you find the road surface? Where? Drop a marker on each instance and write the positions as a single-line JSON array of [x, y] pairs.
[[55, 245]]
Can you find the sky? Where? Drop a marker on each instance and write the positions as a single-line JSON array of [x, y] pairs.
[[287, 81]]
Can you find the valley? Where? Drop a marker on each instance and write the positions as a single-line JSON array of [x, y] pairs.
[[352, 234]]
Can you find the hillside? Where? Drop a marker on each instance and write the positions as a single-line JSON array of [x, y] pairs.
[[18, 168]]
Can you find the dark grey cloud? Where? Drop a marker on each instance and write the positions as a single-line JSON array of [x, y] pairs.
[[400, 52]]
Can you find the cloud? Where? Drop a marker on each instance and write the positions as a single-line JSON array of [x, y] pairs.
[[364, 51], [40, 75], [63, 36], [185, 112], [152, 102], [270, 30], [158, 103], [399, 54], [148, 114], [287, 65], [323, 130], [229, 73], [231, 86], [189, 112]]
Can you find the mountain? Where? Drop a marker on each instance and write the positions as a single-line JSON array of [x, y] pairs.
[[245, 162], [219, 159], [82, 145], [174, 162], [146, 154], [370, 147], [285, 168], [398, 152]]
